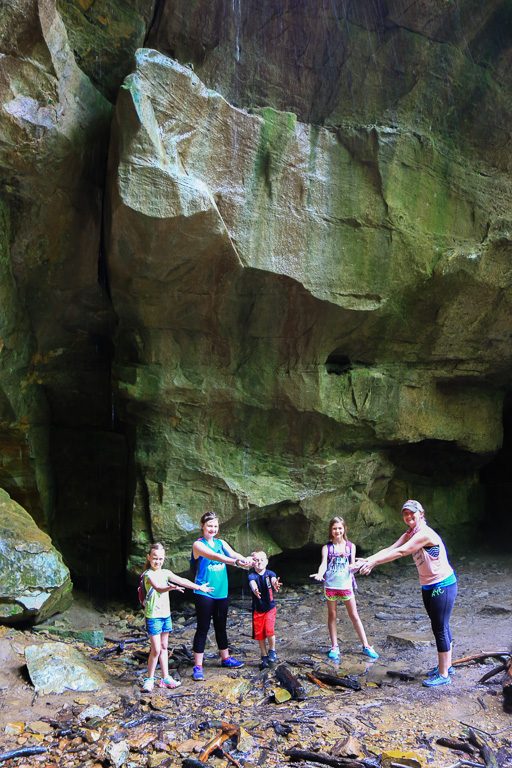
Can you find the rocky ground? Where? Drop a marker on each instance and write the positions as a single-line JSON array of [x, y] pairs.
[[118, 725]]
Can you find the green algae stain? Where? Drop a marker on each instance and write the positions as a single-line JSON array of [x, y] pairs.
[[278, 131]]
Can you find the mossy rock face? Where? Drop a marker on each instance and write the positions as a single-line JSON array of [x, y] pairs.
[[34, 582], [272, 367], [294, 298]]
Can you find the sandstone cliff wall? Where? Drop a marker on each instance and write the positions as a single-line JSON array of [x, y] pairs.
[[288, 297]]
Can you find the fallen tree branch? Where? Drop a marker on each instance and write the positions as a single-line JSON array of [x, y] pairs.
[[297, 755], [226, 732], [485, 751], [493, 672], [290, 682], [460, 746], [145, 719], [344, 682], [481, 656], [315, 680], [23, 752]]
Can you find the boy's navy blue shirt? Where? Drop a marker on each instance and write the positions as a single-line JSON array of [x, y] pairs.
[[264, 584]]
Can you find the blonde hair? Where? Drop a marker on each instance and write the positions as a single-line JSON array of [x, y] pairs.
[[155, 545], [335, 520]]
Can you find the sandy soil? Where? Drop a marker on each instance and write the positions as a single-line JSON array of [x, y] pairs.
[[387, 713]]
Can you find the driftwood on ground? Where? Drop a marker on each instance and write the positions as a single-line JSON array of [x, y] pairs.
[[460, 746], [481, 656], [297, 755], [22, 752], [290, 682], [336, 680], [226, 732]]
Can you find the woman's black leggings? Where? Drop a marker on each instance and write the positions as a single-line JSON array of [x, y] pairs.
[[208, 608], [438, 602]]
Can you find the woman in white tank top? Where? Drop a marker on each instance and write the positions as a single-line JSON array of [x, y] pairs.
[[437, 579]]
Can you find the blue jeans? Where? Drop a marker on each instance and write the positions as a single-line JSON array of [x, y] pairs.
[[158, 626]]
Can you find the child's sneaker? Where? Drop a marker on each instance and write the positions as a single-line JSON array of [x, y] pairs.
[[149, 684], [264, 662], [197, 673], [231, 662], [272, 657], [438, 679], [169, 682], [370, 652], [334, 653]]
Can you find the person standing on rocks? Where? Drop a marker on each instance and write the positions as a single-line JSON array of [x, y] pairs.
[[158, 582], [437, 579], [336, 571], [263, 584], [209, 559]]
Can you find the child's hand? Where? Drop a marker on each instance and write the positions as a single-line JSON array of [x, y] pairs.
[[316, 576], [176, 588], [245, 562], [276, 584], [256, 592], [205, 587]]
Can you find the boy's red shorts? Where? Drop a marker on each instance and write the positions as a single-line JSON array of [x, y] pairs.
[[263, 624]]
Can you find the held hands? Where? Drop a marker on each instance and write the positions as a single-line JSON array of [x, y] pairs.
[[364, 565], [244, 562]]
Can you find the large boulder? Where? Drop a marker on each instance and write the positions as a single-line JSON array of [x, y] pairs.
[[299, 332], [34, 582]]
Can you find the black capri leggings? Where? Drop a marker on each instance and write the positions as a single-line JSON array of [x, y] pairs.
[[438, 603], [208, 608]]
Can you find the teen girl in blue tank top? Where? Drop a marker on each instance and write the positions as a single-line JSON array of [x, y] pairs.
[[210, 556]]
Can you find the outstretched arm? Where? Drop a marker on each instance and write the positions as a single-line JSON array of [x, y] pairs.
[[400, 548], [182, 583], [319, 575], [201, 550], [240, 560], [167, 588]]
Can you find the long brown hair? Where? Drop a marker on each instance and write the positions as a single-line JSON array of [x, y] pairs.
[[332, 522], [155, 545], [210, 515]]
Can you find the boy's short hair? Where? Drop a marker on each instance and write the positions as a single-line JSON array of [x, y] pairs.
[[259, 552]]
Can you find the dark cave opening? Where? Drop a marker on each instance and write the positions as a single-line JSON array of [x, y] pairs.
[[496, 477]]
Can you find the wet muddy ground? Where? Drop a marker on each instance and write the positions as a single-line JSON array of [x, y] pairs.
[[388, 713]]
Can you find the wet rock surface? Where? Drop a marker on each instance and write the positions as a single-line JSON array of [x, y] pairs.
[[392, 717]]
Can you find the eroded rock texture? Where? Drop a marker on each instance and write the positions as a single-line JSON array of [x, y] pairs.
[[34, 582], [300, 335], [291, 298]]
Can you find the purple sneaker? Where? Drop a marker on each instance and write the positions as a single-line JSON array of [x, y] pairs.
[[197, 673]]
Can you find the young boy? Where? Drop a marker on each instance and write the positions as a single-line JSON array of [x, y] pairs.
[[263, 583]]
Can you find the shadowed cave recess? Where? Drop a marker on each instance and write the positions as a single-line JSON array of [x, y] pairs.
[[255, 257]]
